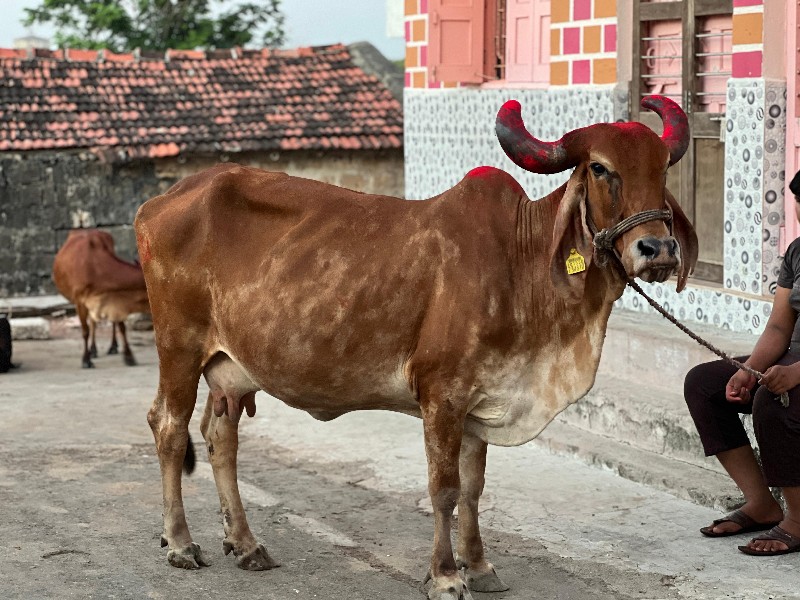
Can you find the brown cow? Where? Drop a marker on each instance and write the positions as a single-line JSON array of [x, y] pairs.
[[478, 310], [101, 286]]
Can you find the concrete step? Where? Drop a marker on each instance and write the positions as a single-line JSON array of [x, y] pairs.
[[641, 416], [30, 328], [681, 479], [36, 306]]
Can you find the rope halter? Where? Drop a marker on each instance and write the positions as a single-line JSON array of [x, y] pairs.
[[605, 238]]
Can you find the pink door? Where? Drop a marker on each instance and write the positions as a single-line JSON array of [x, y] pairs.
[[456, 41], [528, 41]]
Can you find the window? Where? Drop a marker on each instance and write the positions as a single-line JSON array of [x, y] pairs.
[[477, 41]]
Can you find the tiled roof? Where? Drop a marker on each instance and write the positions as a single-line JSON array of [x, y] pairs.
[[130, 105]]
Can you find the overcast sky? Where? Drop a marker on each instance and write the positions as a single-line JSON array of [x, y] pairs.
[[308, 23]]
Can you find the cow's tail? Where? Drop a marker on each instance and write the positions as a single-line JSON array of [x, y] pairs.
[[189, 458]]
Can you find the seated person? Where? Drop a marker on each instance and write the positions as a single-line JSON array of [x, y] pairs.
[[716, 392]]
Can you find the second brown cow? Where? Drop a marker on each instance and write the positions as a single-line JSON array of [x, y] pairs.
[[102, 286]]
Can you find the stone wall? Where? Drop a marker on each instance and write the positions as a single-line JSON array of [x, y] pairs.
[[44, 195]]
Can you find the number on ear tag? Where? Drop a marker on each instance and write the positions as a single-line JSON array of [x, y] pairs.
[[575, 262]]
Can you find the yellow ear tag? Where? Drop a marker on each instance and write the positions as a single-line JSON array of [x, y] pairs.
[[575, 262]]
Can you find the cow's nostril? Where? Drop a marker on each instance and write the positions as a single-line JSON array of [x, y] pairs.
[[672, 246], [649, 247]]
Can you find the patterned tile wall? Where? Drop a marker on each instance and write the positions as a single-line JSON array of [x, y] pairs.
[[754, 184], [450, 131], [774, 182], [702, 305], [744, 160]]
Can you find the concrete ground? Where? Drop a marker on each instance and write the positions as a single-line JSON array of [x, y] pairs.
[[342, 505]]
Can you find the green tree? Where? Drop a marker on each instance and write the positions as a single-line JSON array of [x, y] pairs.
[[122, 25]]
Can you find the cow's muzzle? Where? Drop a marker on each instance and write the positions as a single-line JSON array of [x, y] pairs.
[[655, 259], [651, 259]]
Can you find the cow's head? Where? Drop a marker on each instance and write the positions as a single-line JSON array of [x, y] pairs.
[[620, 171]]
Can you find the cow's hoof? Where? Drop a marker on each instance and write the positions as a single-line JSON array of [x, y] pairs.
[[258, 559], [93, 351], [486, 581], [190, 557], [450, 588], [129, 360], [449, 593], [87, 364], [113, 350]]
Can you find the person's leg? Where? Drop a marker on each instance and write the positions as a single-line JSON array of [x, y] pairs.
[[778, 433], [760, 505], [721, 431]]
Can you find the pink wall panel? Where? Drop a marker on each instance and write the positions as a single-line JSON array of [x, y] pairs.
[[581, 71], [581, 9], [572, 40], [747, 64], [610, 38]]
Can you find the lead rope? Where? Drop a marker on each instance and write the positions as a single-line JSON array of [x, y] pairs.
[[604, 243]]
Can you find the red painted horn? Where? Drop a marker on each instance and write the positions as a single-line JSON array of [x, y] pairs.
[[524, 149], [676, 125]]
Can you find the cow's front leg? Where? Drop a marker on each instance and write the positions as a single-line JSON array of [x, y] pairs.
[[169, 419], [222, 442], [479, 573], [443, 426]]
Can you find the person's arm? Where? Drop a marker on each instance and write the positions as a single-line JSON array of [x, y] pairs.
[[771, 345], [774, 341]]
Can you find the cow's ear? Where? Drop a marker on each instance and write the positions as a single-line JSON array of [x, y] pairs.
[[684, 232], [572, 241]]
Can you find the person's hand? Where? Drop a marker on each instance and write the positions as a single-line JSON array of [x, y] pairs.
[[739, 386], [781, 378]]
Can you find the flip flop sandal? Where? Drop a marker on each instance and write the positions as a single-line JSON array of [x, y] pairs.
[[747, 524], [777, 534]]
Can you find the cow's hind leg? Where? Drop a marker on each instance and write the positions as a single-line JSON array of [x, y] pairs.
[[221, 434], [113, 348], [83, 317], [127, 354], [169, 419], [443, 432], [479, 573]]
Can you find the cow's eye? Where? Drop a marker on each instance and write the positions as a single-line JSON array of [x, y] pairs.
[[598, 169]]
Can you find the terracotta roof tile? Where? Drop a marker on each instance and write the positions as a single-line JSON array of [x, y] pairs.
[[141, 104]]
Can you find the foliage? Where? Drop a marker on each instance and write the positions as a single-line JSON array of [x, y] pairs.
[[122, 25]]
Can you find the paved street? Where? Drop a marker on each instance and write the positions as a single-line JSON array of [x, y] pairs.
[[341, 505]]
